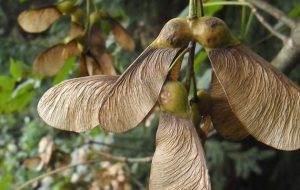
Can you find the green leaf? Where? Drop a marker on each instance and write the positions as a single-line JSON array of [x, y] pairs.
[[105, 26], [198, 60], [21, 96], [6, 83], [4, 98], [295, 12], [5, 182], [211, 10], [208, 10], [95, 131], [63, 73], [17, 69]]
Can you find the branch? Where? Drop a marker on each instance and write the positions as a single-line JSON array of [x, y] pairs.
[[125, 159], [261, 19], [273, 11], [27, 183], [117, 146], [289, 55], [106, 155]]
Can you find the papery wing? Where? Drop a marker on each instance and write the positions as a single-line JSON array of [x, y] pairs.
[[178, 161], [136, 91], [224, 120], [73, 105], [265, 101]]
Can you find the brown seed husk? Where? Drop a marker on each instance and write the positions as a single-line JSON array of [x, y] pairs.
[[223, 118], [100, 64], [38, 20], [75, 31], [178, 161], [49, 62], [264, 100], [95, 39], [73, 104], [121, 36], [99, 61]]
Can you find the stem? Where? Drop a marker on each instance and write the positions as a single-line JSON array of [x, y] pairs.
[[193, 9], [117, 146], [250, 19], [190, 68], [53, 172], [125, 159], [88, 6], [273, 11], [282, 37], [277, 14], [234, 3], [263, 5], [190, 73], [94, 6], [243, 22], [106, 155], [178, 58], [201, 8]]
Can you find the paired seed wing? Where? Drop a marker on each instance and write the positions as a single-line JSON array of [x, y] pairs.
[[265, 101], [119, 103], [134, 94]]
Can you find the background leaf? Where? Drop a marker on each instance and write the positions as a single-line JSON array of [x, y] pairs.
[[65, 70]]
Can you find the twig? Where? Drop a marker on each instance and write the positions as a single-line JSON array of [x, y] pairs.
[[125, 159], [27, 183], [117, 146], [211, 133], [201, 8], [261, 19], [273, 11], [106, 155], [138, 183], [176, 61], [190, 68]]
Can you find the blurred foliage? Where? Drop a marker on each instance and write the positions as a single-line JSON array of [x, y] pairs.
[[29, 148]]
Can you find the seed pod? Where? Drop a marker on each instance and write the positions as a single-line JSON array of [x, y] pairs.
[[212, 32], [174, 99], [175, 33], [95, 17], [201, 106], [66, 7], [77, 16]]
